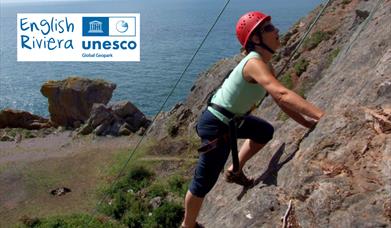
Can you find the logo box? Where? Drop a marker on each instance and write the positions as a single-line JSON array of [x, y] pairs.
[[86, 37]]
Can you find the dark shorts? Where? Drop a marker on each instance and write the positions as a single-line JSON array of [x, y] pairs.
[[211, 163]]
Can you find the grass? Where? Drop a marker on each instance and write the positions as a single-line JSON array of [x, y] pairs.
[[286, 80], [136, 179], [122, 156], [178, 184], [129, 199], [157, 189], [74, 220], [172, 128], [301, 66], [25, 133], [333, 54], [168, 215], [301, 91], [315, 39], [282, 116], [130, 205], [194, 143]]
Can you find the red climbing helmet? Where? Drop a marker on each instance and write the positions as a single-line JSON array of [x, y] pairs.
[[247, 23]]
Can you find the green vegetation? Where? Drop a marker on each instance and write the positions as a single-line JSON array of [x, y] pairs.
[[123, 155], [122, 195], [121, 203], [301, 66], [70, 221], [137, 178], [24, 133], [332, 56], [301, 91], [172, 128], [9, 134], [345, 2], [178, 184], [167, 215], [282, 116], [129, 199], [286, 80], [157, 189], [313, 41]]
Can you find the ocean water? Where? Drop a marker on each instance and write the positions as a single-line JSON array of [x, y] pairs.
[[171, 31]]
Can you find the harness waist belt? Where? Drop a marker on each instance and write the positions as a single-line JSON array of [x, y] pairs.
[[233, 123], [225, 112]]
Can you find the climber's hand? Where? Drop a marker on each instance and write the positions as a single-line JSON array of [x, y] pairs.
[[310, 123]]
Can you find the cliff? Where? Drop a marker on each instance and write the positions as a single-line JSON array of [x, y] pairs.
[[339, 174]]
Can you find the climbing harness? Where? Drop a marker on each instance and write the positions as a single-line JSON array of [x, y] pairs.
[[234, 122]]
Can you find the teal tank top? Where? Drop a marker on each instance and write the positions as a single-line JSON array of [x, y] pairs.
[[236, 94]]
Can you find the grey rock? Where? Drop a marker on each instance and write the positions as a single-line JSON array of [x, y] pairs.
[[102, 129], [109, 120], [124, 108], [99, 114], [85, 129], [124, 129], [155, 202]]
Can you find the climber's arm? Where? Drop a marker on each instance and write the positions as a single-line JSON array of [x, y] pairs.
[[298, 117], [260, 72]]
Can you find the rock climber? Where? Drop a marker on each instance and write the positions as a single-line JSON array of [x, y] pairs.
[[249, 81]]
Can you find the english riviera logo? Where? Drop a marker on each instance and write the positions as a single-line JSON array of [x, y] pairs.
[[78, 37]]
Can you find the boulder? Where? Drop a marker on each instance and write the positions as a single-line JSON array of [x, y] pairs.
[[155, 202], [131, 114], [120, 118], [71, 100], [22, 119]]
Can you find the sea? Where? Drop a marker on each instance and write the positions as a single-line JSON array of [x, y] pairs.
[[171, 31]]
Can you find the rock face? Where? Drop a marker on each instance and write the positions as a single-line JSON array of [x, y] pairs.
[[71, 100], [22, 119], [121, 118], [337, 175]]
